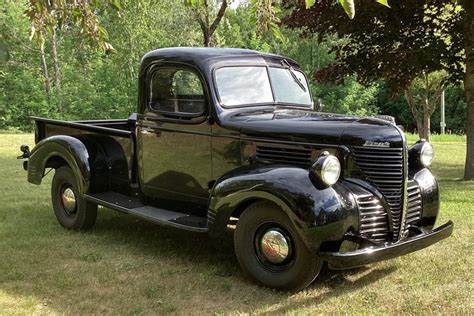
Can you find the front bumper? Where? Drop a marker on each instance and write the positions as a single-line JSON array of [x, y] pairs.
[[352, 259]]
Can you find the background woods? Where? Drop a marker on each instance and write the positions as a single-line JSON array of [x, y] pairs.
[[404, 44], [81, 61]]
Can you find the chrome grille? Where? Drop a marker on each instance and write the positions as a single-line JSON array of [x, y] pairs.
[[372, 218], [414, 207], [384, 168], [294, 156]]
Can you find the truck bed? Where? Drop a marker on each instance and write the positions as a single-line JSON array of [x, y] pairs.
[[48, 127], [115, 138]]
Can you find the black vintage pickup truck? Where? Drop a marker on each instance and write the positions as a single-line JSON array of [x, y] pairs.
[[227, 142]]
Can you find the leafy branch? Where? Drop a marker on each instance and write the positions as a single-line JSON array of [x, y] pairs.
[[46, 16], [348, 5]]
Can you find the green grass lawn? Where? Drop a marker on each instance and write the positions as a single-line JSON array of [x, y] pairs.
[[438, 138], [127, 266]]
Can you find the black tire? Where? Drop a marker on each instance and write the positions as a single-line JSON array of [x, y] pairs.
[[83, 214], [299, 269]]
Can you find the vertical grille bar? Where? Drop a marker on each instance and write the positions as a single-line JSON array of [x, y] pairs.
[[385, 168], [414, 205], [373, 222]]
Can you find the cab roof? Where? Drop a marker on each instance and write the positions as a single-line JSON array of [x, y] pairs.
[[203, 55]]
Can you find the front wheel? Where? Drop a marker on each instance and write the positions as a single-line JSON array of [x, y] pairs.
[[71, 210], [271, 252]]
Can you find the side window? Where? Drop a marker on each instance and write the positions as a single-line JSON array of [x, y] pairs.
[[176, 91]]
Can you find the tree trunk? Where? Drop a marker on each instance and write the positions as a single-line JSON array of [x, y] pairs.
[[207, 38], [427, 111], [419, 127], [44, 67], [207, 28], [56, 71], [469, 86], [54, 56], [426, 126], [416, 111]]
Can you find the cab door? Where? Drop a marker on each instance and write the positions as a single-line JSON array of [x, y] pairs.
[[174, 140]]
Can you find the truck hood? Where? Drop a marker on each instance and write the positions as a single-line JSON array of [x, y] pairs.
[[306, 126]]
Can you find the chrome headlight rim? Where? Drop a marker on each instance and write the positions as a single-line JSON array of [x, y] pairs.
[[426, 154], [420, 155], [326, 169]]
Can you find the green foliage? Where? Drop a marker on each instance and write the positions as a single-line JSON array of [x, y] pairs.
[[47, 16], [396, 107], [396, 45], [98, 85], [94, 85], [455, 111], [309, 3], [348, 5], [22, 89], [21, 86], [349, 98], [265, 13]]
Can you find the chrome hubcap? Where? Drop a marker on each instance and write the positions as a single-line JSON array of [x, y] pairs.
[[274, 246], [69, 200]]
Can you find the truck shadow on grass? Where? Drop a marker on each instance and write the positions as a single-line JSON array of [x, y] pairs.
[[202, 258], [333, 283]]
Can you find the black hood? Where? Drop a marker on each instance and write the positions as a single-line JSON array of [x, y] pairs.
[[306, 126]]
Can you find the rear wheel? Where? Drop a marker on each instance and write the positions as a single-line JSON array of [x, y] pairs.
[[271, 252], [71, 210]]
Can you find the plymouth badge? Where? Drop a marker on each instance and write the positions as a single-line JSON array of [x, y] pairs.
[[369, 143]]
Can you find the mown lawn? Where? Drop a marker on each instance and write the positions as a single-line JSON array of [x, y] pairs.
[[127, 266]]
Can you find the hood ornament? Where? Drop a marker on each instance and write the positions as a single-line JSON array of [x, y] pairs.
[[369, 143]]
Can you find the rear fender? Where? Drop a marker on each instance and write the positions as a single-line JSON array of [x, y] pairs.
[[319, 215], [67, 148]]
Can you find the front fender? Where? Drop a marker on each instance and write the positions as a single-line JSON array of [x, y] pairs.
[[430, 197], [68, 148], [319, 215]]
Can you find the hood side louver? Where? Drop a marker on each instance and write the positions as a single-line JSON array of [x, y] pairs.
[[300, 157]]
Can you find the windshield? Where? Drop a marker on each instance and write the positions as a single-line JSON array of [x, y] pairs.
[[257, 84]]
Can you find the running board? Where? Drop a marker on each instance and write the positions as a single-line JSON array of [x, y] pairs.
[[135, 207]]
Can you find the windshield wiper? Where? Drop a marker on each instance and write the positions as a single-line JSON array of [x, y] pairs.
[[285, 63]]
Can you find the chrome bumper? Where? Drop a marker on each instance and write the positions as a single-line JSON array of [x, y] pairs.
[[352, 259]]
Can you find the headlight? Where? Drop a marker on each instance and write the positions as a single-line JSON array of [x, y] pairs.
[[326, 169], [426, 154], [420, 155]]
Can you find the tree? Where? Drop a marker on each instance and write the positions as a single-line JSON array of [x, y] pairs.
[[264, 14], [467, 30], [348, 5], [398, 44], [204, 11], [423, 94], [47, 17]]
